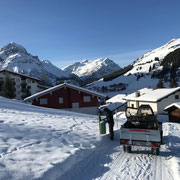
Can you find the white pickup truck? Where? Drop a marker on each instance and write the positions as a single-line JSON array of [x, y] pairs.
[[141, 129]]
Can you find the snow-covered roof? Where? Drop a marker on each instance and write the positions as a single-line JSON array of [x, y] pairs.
[[153, 95], [61, 86], [132, 96], [117, 98], [111, 107], [177, 104]]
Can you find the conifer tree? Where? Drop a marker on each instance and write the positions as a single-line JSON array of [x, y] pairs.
[[150, 69], [7, 88], [173, 83], [160, 84]]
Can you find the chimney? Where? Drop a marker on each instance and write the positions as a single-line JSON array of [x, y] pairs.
[[137, 94]]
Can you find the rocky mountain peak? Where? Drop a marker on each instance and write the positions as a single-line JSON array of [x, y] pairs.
[[13, 48], [89, 70]]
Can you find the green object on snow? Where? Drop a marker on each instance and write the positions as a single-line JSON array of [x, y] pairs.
[[102, 125]]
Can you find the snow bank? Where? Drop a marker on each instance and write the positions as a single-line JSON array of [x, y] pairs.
[[35, 140]]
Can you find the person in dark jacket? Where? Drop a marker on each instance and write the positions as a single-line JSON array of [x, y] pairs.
[[110, 120]]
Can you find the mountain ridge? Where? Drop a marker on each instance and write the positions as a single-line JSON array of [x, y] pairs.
[[15, 58], [143, 72]]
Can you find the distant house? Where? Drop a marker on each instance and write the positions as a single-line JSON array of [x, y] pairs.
[[24, 85], [68, 97], [118, 102], [158, 99], [173, 112]]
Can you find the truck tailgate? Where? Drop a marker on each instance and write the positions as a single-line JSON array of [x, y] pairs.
[[140, 135]]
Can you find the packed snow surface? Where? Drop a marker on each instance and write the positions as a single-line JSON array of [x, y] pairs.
[[41, 143]]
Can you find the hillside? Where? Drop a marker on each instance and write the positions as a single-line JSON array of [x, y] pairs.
[[161, 63]]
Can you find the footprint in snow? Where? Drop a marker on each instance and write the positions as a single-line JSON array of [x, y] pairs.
[[2, 165]]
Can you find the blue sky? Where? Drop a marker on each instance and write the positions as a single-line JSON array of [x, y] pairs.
[[66, 31]]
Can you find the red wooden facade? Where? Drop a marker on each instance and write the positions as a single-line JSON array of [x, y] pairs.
[[69, 97]]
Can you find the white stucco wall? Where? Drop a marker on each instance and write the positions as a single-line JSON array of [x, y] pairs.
[[153, 106], [167, 101], [30, 82], [158, 107], [137, 104]]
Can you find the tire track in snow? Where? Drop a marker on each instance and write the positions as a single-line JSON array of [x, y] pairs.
[[134, 166], [158, 168], [114, 166], [108, 162]]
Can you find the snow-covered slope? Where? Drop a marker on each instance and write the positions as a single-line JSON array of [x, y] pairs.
[[140, 75], [94, 69], [15, 58], [48, 144], [154, 57], [49, 67]]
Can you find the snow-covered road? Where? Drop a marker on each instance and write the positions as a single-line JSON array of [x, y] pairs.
[[109, 161], [47, 144]]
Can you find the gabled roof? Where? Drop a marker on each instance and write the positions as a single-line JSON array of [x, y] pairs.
[[111, 107], [30, 77], [132, 96], [117, 98], [177, 105], [61, 86], [154, 95]]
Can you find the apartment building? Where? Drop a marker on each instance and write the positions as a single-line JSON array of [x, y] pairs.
[[23, 85]]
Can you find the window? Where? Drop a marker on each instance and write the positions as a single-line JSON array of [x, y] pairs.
[[75, 105], [18, 92], [176, 96], [87, 99], [17, 80], [61, 100], [12, 79], [43, 101], [18, 86], [28, 81]]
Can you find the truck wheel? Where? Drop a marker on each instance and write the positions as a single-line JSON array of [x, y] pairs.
[[124, 148], [127, 149], [155, 151]]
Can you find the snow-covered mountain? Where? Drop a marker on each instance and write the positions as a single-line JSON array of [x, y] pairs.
[[144, 72], [154, 57], [92, 69], [15, 58]]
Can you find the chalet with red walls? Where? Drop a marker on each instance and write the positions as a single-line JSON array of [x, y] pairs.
[[68, 97]]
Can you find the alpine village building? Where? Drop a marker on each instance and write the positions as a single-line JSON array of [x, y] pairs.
[[158, 99], [68, 97], [22, 85]]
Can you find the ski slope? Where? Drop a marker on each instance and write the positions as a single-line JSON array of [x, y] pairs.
[[48, 144]]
